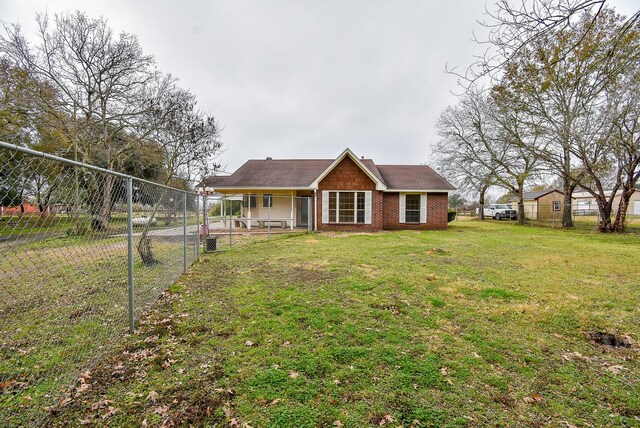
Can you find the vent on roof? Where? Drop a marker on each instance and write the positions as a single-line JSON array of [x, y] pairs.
[[269, 158], [362, 157]]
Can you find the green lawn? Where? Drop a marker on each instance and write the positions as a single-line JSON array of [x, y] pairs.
[[484, 324]]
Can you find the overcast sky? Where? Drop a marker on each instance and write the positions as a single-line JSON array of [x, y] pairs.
[[295, 79]]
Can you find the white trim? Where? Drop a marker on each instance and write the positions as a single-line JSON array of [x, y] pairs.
[[367, 206], [258, 188], [325, 206], [423, 208], [402, 208], [347, 152], [315, 211], [418, 191]]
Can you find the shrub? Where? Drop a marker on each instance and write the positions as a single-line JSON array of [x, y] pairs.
[[451, 215]]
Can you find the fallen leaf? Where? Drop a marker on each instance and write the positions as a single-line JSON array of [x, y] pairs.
[[337, 423], [528, 400], [386, 419], [248, 343], [443, 371], [153, 396], [275, 402], [615, 369], [143, 424], [161, 410], [293, 374], [110, 411], [537, 397]]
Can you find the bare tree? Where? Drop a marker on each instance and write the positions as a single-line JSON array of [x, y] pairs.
[[569, 101], [481, 135], [99, 79], [187, 138], [513, 26], [625, 139], [457, 156]]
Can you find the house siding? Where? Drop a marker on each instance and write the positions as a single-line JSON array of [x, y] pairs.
[[348, 176], [437, 204], [545, 206]]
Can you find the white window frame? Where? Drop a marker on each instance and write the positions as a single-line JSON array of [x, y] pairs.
[[367, 206], [402, 208]]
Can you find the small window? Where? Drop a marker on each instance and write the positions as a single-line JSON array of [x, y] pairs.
[[267, 200], [246, 200], [556, 205], [412, 209]]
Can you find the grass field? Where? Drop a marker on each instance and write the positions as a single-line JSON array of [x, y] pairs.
[[484, 324], [64, 303]]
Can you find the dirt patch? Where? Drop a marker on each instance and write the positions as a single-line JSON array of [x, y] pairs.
[[437, 251], [609, 339]]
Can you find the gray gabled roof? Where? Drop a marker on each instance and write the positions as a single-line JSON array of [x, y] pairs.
[[413, 177], [528, 196], [301, 173]]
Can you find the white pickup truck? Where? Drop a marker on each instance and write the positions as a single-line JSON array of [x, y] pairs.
[[500, 211]]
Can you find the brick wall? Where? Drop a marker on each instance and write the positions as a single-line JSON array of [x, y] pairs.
[[437, 204], [349, 177]]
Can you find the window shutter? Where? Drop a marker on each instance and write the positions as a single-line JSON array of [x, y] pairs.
[[325, 206], [367, 207], [423, 208], [402, 207]]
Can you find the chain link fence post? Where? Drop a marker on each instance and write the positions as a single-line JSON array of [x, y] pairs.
[[197, 243], [130, 253], [184, 231]]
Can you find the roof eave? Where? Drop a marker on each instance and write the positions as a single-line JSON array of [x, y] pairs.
[[420, 190]]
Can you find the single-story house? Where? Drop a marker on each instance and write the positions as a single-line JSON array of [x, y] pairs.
[[345, 193], [585, 203], [541, 205]]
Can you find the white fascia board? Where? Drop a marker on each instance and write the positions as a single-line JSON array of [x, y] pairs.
[[418, 191], [262, 188], [347, 152]]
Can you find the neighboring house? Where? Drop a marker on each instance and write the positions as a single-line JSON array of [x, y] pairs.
[[17, 210], [585, 203], [346, 193], [542, 205]]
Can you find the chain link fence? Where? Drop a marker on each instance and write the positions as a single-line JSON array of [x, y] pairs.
[[550, 215], [83, 252]]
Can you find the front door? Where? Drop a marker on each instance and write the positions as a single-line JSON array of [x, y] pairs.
[[302, 211]]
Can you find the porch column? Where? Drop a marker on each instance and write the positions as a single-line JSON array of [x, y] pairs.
[[292, 210], [249, 212]]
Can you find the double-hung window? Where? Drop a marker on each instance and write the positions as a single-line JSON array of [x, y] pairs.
[[347, 207], [413, 208]]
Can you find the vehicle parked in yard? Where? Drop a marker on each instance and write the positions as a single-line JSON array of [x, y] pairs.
[[500, 211]]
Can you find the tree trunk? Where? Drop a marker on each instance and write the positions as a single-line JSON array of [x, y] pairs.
[[619, 224], [144, 246], [102, 222], [481, 202], [567, 219], [604, 210]]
